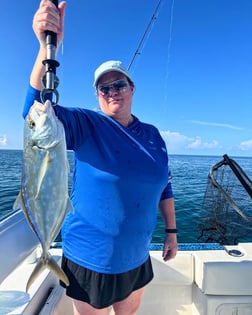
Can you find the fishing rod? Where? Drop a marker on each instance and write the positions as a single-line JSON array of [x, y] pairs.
[[50, 81], [153, 18]]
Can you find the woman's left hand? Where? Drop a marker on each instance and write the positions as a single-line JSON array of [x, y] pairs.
[[170, 246]]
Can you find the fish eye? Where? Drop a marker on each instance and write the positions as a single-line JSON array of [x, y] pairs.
[[32, 124]]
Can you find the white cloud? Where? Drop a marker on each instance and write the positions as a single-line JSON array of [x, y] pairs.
[[245, 145], [199, 144], [3, 140], [177, 142], [213, 124]]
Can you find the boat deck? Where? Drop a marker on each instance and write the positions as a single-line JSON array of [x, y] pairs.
[[194, 283], [203, 279]]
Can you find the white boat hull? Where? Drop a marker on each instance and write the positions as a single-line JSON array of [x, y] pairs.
[[201, 280]]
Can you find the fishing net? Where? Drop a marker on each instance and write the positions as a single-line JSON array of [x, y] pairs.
[[226, 216]]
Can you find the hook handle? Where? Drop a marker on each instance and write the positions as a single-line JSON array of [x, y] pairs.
[[50, 80], [51, 37]]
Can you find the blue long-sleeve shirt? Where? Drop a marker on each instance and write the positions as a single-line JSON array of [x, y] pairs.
[[120, 176]]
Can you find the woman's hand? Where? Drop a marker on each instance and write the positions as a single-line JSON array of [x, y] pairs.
[[170, 246], [49, 18]]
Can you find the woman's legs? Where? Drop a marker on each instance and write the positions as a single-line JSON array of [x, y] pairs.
[[128, 306], [82, 308]]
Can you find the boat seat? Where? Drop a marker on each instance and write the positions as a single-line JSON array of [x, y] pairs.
[[223, 274]]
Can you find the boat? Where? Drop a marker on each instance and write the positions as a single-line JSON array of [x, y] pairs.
[[203, 279]]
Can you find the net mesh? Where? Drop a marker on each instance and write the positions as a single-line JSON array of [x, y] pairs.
[[226, 216]]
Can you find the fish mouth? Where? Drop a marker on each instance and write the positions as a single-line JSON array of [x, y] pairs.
[[44, 146]]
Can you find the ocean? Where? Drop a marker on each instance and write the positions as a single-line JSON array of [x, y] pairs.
[[189, 181]]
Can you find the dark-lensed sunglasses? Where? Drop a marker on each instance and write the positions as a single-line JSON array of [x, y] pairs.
[[117, 86]]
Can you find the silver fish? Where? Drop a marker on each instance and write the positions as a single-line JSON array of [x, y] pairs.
[[44, 183]]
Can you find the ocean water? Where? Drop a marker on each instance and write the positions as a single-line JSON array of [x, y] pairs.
[[189, 172]]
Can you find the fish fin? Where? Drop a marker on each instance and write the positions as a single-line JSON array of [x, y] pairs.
[[68, 166], [70, 207], [18, 202], [50, 263], [42, 171], [36, 272], [54, 267]]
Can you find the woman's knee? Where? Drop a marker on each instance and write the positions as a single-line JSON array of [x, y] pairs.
[[82, 308], [130, 305]]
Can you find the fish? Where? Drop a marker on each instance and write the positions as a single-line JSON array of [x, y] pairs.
[[43, 194]]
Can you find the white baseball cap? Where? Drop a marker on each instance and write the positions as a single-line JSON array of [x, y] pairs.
[[111, 65]]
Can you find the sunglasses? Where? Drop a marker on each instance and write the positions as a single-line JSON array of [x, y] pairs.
[[117, 86]]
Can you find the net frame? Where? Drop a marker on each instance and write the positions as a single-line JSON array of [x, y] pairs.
[[226, 215]]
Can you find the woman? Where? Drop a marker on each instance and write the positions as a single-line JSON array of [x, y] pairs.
[[121, 177]]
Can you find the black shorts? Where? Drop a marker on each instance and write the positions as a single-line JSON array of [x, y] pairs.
[[102, 290]]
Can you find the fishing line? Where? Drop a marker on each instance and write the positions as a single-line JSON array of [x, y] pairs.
[[143, 42], [147, 31], [61, 55], [168, 55], [62, 48]]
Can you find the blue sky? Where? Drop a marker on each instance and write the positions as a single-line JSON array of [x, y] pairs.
[[193, 77]]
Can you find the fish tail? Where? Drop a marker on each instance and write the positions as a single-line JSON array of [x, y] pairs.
[[54, 267], [36, 272], [46, 261]]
